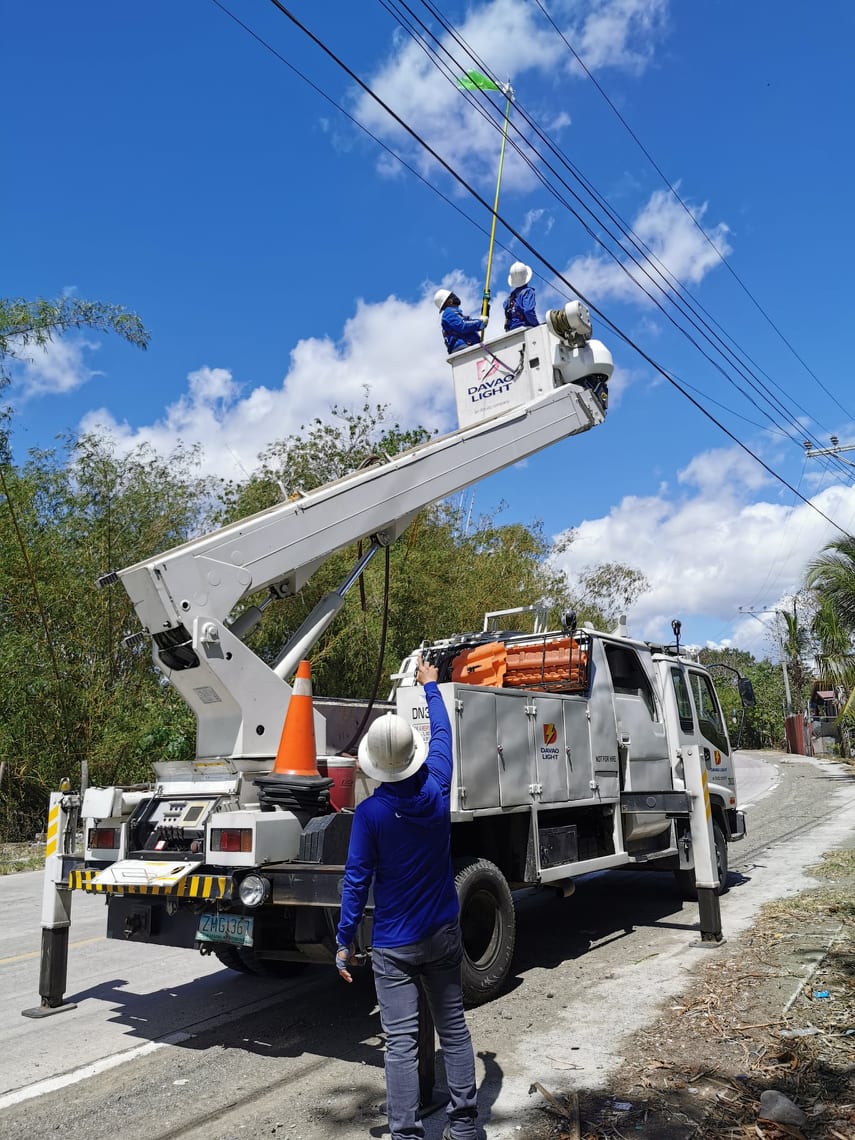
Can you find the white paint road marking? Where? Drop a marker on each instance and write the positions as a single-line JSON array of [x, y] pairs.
[[94, 1068], [51, 1084]]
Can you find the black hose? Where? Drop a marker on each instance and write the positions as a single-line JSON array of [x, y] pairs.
[[348, 749]]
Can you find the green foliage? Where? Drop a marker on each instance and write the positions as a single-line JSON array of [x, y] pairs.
[[797, 647], [763, 726], [71, 691], [831, 578], [606, 592], [23, 323], [445, 572]]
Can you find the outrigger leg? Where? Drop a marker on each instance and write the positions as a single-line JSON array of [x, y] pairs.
[[56, 909], [703, 848]]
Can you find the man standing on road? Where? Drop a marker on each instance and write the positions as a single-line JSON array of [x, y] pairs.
[[401, 841]]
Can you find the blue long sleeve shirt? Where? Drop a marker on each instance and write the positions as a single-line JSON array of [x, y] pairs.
[[401, 841], [459, 331], [519, 309]]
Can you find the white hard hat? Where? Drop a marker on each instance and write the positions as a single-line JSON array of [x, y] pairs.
[[391, 750], [440, 297], [519, 274]]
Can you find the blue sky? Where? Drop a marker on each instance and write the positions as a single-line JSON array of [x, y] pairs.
[[158, 156]]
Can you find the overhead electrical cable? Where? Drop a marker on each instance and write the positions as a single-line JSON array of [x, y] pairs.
[[407, 166], [361, 126], [536, 253], [675, 286], [695, 221], [451, 72], [394, 154], [785, 531]]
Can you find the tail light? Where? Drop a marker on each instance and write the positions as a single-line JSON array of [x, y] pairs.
[[231, 839], [104, 837]]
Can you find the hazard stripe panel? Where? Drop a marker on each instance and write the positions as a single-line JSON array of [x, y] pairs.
[[194, 886], [52, 829]]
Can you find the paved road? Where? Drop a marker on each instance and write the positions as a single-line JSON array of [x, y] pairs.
[[165, 1044]]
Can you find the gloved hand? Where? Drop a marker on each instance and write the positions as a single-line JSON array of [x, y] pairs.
[[483, 321], [343, 956]]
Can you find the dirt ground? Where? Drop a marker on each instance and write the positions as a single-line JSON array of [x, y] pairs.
[[777, 1013]]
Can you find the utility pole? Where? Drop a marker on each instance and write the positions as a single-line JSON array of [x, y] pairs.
[[750, 612], [836, 448]]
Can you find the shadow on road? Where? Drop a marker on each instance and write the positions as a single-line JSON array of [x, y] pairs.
[[312, 1019]]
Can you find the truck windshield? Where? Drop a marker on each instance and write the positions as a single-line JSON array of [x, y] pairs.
[[709, 718]]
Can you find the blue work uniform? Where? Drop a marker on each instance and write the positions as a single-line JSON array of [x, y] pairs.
[[459, 331], [401, 838], [519, 309]]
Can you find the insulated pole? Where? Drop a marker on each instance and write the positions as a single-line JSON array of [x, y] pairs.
[[508, 91]]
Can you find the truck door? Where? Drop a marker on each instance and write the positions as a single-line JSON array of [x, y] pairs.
[[494, 760], [715, 746], [477, 748], [552, 750], [645, 765]]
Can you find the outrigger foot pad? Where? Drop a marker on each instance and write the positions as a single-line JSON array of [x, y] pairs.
[[48, 1010]]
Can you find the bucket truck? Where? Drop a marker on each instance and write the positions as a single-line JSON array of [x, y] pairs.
[[575, 750]]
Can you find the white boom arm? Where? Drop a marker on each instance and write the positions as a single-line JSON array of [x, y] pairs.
[[184, 597]]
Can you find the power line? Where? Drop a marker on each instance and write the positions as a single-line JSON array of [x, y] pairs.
[[695, 222], [544, 261], [480, 108], [329, 99], [675, 286]]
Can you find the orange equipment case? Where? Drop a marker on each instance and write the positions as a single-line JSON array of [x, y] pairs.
[[560, 664]]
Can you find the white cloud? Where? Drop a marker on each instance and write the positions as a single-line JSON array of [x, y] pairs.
[[707, 549], [53, 368], [391, 347], [621, 34], [512, 40], [675, 243]]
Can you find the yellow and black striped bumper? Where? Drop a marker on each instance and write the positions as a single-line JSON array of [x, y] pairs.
[[193, 887]]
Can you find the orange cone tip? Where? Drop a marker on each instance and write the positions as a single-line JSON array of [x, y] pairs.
[[296, 753]]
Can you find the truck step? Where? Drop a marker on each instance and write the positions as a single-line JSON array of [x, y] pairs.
[[671, 803]]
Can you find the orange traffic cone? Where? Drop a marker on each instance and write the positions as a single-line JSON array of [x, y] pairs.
[[296, 753]]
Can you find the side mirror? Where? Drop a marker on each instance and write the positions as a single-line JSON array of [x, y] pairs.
[[746, 693]]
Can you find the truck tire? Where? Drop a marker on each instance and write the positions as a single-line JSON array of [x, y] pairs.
[[488, 925], [230, 957], [686, 879]]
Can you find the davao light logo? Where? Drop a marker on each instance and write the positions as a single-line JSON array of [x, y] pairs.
[[491, 381], [550, 734]]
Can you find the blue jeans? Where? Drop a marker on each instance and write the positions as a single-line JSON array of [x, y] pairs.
[[397, 971]]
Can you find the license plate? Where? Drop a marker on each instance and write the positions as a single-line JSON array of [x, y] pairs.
[[233, 928]]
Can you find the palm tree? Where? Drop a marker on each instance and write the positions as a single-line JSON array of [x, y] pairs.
[[831, 577], [795, 648]]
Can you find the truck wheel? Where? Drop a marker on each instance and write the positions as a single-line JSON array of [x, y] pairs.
[[230, 957], [488, 925], [268, 967], [686, 879]]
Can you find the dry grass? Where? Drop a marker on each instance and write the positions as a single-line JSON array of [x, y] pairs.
[[21, 857], [756, 1019]]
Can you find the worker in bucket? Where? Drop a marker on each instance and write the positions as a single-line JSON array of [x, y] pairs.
[[457, 331], [401, 842], [519, 307]]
